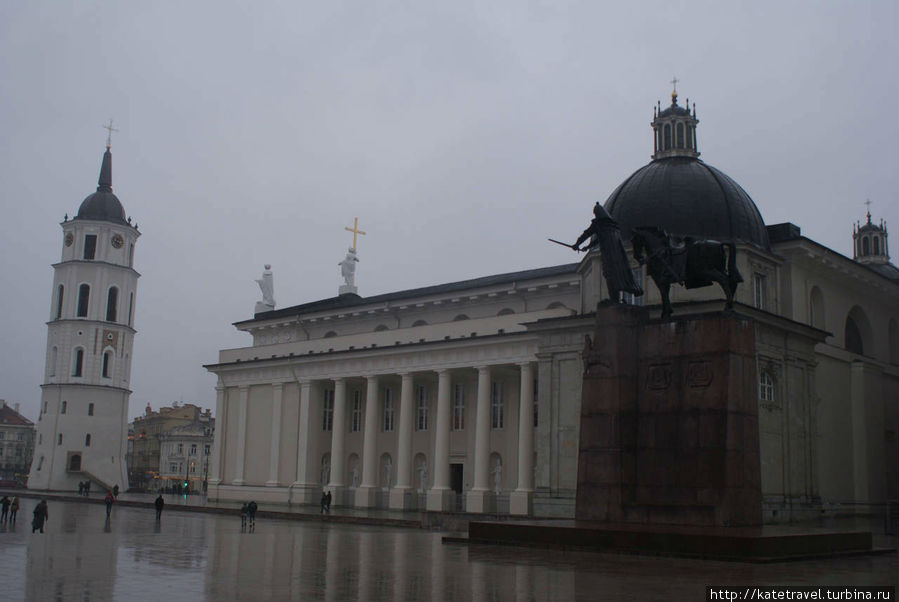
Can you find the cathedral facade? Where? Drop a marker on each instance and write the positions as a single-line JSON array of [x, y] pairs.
[[466, 395]]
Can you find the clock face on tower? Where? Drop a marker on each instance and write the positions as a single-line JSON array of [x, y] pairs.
[[117, 241], [69, 239]]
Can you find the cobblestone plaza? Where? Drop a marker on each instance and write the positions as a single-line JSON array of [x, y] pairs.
[[205, 556]]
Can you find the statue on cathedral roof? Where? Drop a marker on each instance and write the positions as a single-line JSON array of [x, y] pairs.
[[267, 286], [348, 272]]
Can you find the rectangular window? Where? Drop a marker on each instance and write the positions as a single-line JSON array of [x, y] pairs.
[[458, 407], [496, 405], [180, 448], [90, 409], [193, 467], [59, 439], [206, 449], [173, 467], [328, 410], [2, 434], [356, 425], [64, 405], [193, 449], [760, 290], [18, 452], [766, 387], [20, 436], [90, 246], [388, 410], [422, 407], [629, 298]]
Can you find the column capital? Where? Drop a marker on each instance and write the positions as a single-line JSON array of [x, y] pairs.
[[527, 364], [277, 385], [220, 388], [243, 388]]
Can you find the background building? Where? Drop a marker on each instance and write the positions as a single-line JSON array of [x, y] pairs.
[[467, 394], [16, 445], [184, 456], [84, 399], [145, 439]]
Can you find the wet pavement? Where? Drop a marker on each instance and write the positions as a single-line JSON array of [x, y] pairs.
[[207, 556]]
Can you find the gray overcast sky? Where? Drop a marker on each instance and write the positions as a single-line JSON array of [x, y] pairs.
[[461, 134]]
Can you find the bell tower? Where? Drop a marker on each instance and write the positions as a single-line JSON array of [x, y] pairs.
[[869, 241], [82, 428]]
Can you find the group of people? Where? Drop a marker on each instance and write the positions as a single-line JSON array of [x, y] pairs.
[[248, 515], [84, 488], [9, 509]]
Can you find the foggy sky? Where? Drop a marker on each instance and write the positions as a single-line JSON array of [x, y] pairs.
[[461, 135]]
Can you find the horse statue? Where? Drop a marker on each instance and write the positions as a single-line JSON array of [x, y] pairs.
[[694, 264]]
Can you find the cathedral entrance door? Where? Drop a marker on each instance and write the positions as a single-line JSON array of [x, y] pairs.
[[456, 477]]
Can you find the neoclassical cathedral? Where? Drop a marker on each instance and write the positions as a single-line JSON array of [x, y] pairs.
[[82, 427], [466, 395]]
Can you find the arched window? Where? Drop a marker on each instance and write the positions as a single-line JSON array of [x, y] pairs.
[[90, 246], [60, 291], [78, 368], [680, 134], [87, 440], [766, 386], [690, 138], [877, 245], [866, 246], [84, 294], [75, 463], [853, 337], [816, 308], [667, 136], [107, 361], [112, 300], [90, 409]]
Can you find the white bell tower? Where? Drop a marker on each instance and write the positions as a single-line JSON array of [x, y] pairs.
[[82, 431]]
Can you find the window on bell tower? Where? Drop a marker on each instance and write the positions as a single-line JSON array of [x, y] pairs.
[[90, 246], [84, 295]]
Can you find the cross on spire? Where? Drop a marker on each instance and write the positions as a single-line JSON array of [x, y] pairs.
[[868, 204], [355, 230], [110, 129], [674, 81]]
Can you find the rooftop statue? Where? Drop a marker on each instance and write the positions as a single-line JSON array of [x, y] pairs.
[[604, 233], [693, 264], [348, 271], [267, 286]]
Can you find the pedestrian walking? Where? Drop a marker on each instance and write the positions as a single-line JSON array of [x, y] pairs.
[[159, 505], [115, 491], [324, 502], [87, 488], [109, 499], [243, 516], [328, 503], [80, 488], [251, 514], [41, 514], [14, 510], [4, 509]]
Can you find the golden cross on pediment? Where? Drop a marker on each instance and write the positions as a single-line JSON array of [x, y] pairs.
[[355, 230]]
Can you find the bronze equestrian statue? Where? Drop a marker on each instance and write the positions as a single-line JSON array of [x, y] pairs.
[[616, 269], [696, 264]]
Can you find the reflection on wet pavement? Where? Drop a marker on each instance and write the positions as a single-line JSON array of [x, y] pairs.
[[195, 556]]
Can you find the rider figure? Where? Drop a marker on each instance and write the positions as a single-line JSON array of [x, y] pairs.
[[616, 269]]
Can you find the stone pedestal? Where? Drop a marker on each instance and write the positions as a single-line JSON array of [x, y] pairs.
[[439, 500], [477, 501], [669, 421], [366, 497], [400, 498], [521, 503]]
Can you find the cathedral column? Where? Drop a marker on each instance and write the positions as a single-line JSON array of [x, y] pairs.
[[338, 435], [476, 500], [277, 394], [520, 500], [241, 435], [438, 495], [302, 480], [217, 468], [366, 493], [400, 494]]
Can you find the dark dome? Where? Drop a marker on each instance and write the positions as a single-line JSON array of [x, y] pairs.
[[103, 205], [684, 196]]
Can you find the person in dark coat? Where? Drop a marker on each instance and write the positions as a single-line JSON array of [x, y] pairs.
[[115, 491], [251, 513], [41, 514], [109, 499], [324, 502], [14, 510], [604, 232], [328, 503], [80, 488], [4, 509], [243, 516], [160, 503]]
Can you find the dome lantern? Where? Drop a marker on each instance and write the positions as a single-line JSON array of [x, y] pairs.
[[674, 129]]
